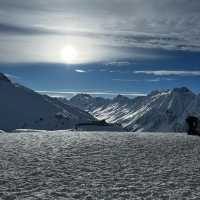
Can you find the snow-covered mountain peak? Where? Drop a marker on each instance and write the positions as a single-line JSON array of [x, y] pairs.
[[182, 90], [121, 99], [154, 92], [82, 96], [87, 102], [158, 93], [4, 78]]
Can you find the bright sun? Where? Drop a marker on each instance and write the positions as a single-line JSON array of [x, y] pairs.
[[69, 54]]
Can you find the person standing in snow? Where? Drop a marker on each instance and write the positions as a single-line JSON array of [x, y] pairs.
[[192, 122]]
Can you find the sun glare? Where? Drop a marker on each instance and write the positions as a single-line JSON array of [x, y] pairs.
[[69, 54]]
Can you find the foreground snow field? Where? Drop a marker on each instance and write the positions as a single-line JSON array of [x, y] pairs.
[[99, 165]]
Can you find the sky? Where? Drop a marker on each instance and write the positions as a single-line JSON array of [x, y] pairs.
[[101, 47]]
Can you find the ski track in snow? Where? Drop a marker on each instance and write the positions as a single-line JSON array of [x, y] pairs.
[[82, 165]]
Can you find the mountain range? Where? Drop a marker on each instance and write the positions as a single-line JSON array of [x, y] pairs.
[[164, 111], [159, 111]]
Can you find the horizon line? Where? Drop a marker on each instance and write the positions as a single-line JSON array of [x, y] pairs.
[[92, 93]]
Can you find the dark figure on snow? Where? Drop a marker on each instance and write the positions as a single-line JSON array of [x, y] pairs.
[[192, 125]]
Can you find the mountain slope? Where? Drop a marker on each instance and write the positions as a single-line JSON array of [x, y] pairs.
[[87, 102], [23, 108], [158, 111]]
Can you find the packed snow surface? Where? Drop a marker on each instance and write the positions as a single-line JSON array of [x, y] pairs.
[[99, 165]]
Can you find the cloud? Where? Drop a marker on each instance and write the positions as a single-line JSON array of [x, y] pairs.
[[117, 40], [58, 93], [169, 25], [144, 80], [80, 71], [118, 63], [137, 80], [168, 73], [12, 29], [128, 39]]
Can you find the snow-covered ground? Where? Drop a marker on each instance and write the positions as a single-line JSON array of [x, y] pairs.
[[99, 165]]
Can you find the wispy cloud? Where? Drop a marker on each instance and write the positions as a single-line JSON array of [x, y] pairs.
[[12, 29], [80, 71], [136, 80], [144, 80], [62, 93], [118, 63], [117, 39], [129, 25], [168, 73]]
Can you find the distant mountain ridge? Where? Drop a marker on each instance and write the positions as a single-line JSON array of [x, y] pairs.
[[21, 107], [159, 111]]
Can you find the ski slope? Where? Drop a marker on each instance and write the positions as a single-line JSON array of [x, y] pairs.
[[98, 165]]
